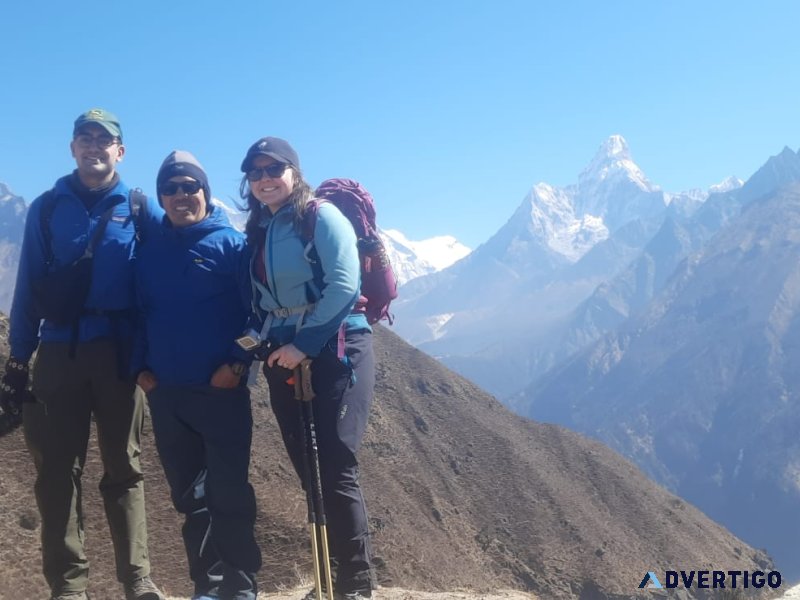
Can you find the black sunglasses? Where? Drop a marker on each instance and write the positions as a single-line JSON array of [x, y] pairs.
[[274, 170], [171, 188]]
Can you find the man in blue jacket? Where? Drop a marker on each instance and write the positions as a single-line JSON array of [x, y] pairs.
[[81, 369], [193, 286]]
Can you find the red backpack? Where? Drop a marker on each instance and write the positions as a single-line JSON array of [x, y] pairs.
[[378, 283]]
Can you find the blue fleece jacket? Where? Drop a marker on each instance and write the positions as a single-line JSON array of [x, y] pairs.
[[72, 227], [291, 283], [192, 287]]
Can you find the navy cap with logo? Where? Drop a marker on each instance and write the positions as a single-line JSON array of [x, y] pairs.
[[105, 119], [273, 147]]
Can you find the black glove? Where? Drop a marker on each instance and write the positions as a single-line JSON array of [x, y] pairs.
[[14, 387]]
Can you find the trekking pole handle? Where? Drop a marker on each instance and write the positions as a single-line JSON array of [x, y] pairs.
[[304, 369], [296, 380]]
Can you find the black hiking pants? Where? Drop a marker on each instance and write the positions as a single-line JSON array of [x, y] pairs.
[[203, 437], [343, 396]]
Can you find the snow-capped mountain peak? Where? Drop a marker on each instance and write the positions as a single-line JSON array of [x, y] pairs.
[[613, 164], [727, 185], [412, 259], [611, 191], [616, 145]]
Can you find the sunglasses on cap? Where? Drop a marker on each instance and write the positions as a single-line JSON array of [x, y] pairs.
[[170, 188], [274, 170]]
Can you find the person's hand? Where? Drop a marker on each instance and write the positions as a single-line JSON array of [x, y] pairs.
[[14, 386], [287, 356], [147, 381], [224, 377]]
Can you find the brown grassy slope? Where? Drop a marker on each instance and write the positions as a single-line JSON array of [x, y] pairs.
[[461, 493]]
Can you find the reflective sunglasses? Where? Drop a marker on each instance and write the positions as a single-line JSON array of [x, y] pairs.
[[170, 188], [274, 170], [86, 140]]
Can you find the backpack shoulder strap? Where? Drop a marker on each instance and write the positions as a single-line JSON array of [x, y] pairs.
[[45, 216], [138, 205], [309, 222], [307, 227], [98, 233]]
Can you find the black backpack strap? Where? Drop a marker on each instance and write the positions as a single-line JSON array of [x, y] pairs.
[[45, 216], [98, 233], [138, 205]]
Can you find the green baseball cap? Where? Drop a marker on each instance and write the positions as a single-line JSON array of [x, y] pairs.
[[105, 119]]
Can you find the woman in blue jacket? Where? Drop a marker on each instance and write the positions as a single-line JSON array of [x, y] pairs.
[[190, 273], [302, 311]]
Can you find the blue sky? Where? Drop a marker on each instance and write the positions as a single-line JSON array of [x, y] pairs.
[[447, 111]]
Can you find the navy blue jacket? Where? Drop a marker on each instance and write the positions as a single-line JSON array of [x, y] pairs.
[[192, 285], [71, 228]]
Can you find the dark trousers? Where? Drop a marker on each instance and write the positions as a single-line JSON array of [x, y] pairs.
[[70, 390], [343, 396], [203, 436]]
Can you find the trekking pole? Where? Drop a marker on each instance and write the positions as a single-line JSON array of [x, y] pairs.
[[317, 521]]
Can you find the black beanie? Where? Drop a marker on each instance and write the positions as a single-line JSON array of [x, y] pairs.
[[181, 162]]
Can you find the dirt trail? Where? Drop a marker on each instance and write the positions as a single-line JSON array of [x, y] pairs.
[[401, 594]]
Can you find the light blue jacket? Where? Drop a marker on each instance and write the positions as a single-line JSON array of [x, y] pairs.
[[290, 280]]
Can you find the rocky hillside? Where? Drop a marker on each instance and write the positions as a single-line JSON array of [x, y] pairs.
[[462, 495]]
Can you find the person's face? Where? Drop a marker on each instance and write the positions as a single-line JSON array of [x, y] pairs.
[[96, 152], [184, 200], [272, 191]]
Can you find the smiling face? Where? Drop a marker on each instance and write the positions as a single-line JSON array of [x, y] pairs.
[[96, 152], [272, 192], [184, 204]]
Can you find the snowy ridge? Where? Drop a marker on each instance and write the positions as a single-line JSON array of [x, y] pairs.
[[553, 219], [412, 259], [728, 185]]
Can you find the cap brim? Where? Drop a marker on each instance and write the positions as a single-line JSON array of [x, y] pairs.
[[107, 126]]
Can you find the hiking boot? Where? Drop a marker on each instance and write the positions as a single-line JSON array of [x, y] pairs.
[[312, 594], [143, 589], [70, 596], [364, 595]]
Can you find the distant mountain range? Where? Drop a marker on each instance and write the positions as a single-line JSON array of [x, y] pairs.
[[664, 325], [493, 316], [701, 387]]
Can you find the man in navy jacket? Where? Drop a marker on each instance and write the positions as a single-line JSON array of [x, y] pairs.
[[193, 285], [81, 369]]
